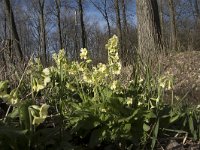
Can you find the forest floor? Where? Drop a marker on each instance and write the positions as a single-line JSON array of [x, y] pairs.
[[185, 69]]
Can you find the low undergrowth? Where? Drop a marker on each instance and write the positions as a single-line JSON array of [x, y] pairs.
[[75, 105]]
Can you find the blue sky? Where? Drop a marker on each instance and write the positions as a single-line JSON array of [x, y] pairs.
[[94, 15]]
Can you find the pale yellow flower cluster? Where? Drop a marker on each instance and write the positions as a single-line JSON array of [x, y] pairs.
[[112, 44], [60, 58], [97, 75], [165, 82], [113, 56], [114, 85], [83, 53]]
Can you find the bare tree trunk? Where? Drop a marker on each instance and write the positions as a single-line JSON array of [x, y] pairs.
[[125, 30], [119, 31], [76, 45], [161, 10], [125, 25], [161, 15], [11, 20], [5, 27], [83, 33], [149, 30], [197, 13], [42, 33], [194, 39], [172, 13], [5, 37], [58, 7], [196, 6]]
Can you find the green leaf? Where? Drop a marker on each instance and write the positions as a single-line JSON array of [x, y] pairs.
[[38, 120], [135, 112], [44, 110], [12, 138], [150, 115], [39, 87], [174, 118], [146, 127], [34, 110], [155, 134], [192, 129], [14, 113], [127, 127], [36, 85], [24, 114], [4, 96], [35, 107], [39, 113]]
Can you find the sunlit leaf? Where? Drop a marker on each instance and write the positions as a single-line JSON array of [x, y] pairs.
[[146, 127], [38, 120], [44, 110], [155, 134], [39, 87]]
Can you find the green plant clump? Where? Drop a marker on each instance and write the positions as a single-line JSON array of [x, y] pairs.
[[75, 105]]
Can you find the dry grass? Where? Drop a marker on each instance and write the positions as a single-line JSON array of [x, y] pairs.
[[185, 67]]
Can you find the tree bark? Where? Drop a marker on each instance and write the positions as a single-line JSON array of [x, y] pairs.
[[11, 21], [173, 39], [125, 31], [83, 33], [43, 48], [161, 16], [196, 6], [58, 7], [125, 25], [76, 41], [119, 31], [149, 30]]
